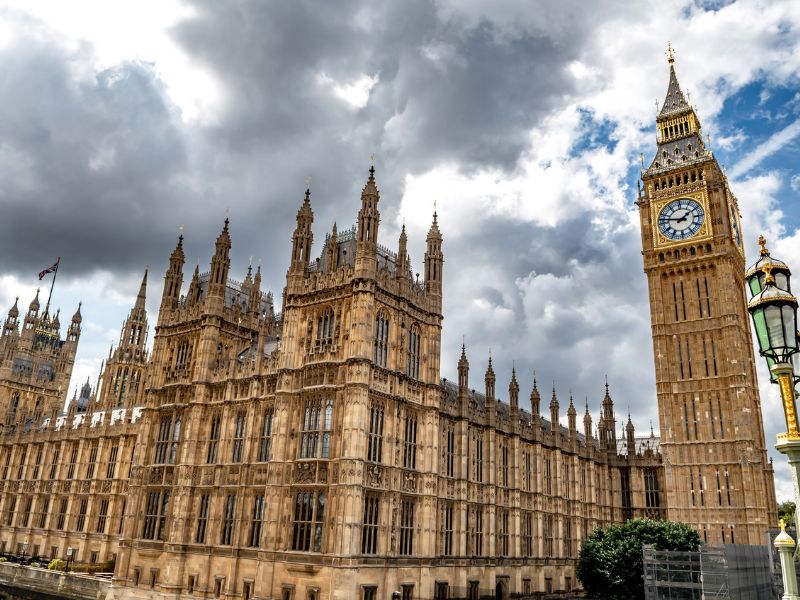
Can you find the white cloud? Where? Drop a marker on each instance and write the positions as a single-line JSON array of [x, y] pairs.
[[355, 93], [774, 143]]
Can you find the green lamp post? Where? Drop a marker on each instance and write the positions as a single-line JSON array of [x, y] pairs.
[[774, 312]]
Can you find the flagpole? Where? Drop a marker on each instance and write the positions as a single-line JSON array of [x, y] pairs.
[[52, 284]]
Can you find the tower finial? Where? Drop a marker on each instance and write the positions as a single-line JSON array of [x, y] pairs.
[[762, 241], [670, 53]]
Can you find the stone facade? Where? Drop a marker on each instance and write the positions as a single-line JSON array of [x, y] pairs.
[[316, 452], [718, 476]]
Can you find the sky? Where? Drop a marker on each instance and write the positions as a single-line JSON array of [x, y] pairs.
[[523, 124]]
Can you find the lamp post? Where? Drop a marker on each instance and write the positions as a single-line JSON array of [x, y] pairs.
[[69, 558], [774, 312]]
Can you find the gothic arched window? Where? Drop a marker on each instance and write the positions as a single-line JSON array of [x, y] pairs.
[[381, 349], [325, 326], [315, 439]]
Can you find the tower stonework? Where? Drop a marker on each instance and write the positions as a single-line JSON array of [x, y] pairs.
[[717, 473]]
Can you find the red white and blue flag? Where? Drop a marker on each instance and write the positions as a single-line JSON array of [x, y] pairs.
[[51, 269]]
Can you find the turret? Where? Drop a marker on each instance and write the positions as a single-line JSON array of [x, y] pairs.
[[587, 424], [302, 237], [535, 400], [463, 374], [609, 421], [367, 232], [554, 412], [220, 265], [33, 312], [489, 380], [434, 260], [403, 266], [173, 280], [572, 419], [134, 330], [255, 294], [11, 326], [193, 295], [332, 250], [513, 392], [630, 437]]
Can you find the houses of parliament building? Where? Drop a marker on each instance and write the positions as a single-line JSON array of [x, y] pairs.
[[313, 451]]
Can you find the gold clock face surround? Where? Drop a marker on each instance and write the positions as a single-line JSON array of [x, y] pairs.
[[698, 202]]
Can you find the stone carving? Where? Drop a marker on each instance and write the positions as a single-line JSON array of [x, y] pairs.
[[304, 472]]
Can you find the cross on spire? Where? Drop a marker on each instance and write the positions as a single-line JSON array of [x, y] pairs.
[[670, 53]]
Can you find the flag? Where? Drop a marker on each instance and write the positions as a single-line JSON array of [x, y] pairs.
[[51, 269]]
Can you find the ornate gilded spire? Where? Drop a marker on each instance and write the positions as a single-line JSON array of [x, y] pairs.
[[762, 241]]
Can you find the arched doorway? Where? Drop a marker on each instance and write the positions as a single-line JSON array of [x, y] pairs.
[[499, 592]]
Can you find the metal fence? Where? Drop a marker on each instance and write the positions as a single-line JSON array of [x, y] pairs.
[[738, 572]]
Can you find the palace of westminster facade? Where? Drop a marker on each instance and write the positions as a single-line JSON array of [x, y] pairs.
[[317, 453]]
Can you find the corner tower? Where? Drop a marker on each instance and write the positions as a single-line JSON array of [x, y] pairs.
[[718, 476]]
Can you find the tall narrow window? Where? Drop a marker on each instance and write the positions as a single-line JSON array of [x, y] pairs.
[[446, 529], [62, 514], [213, 440], [80, 522], [309, 513], [410, 442], [238, 437], [683, 302], [714, 356], [166, 447], [369, 529], [92, 462], [73, 457], [719, 491], [691, 483], [526, 480], [413, 353], [694, 416], [711, 419], [102, 516], [450, 449], [7, 463], [406, 527], [675, 299], [44, 509], [375, 437], [257, 520], [568, 541], [11, 505], [689, 358], [38, 462], [21, 469], [705, 357], [721, 424], [315, 438], [504, 463], [651, 488], [699, 298], [155, 516], [548, 478], [26, 512], [548, 535], [228, 520], [381, 349], [728, 486], [502, 528], [112, 461], [478, 462], [708, 297], [686, 417], [325, 326], [527, 534], [475, 531], [202, 520], [702, 491], [680, 356], [265, 446]]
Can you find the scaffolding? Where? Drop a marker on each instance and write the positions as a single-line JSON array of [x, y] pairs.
[[736, 572]]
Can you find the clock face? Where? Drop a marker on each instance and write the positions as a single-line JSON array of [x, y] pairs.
[[681, 219]]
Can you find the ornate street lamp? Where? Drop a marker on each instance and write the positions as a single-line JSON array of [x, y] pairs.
[[774, 312]]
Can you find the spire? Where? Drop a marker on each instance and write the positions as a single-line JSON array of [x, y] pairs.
[[255, 293], [630, 436], [74, 330], [220, 265], [302, 237], [463, 371], [332, 250], [13, 312], [554, 411], [535, 399], [434, 260], [368, 220], [193, 294], [77, 318], [513, 390], [403, 270], [572, 415], [489, 379], [173, 279], [142, 295], [587, 423], [675, 101], [33, 308]]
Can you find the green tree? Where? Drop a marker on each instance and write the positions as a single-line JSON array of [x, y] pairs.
[[610, 563], [786, 511]]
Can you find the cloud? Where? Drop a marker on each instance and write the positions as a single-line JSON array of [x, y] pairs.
[[525, 126], [775, 142]]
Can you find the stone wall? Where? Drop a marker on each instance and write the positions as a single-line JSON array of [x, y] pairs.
[[70, 586]]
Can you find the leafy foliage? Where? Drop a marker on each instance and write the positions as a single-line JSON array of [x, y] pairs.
[[786, 511], [610, 563], [56, 565]]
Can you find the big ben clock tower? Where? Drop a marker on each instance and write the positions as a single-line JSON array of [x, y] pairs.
[[718, 476]]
